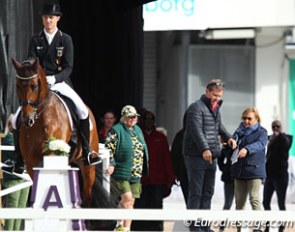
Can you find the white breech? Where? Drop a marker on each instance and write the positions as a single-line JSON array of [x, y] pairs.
[[67, 91]]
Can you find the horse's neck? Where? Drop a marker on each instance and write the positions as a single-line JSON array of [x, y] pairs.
[[45, 91]]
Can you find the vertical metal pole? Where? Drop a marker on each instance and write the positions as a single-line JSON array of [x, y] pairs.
[[2, 222]]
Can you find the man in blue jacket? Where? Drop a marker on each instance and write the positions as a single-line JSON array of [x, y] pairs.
[[201, 147]]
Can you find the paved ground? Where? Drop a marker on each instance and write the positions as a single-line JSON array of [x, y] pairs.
[[175, 201]]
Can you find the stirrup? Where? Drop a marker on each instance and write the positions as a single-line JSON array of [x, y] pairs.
[[93, 160]]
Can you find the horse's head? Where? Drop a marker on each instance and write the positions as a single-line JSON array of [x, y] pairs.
[[31, 87]]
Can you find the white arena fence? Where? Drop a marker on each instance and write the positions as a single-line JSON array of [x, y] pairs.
[[244, 218]]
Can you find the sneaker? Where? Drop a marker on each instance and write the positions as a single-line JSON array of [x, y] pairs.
[[119, 228]]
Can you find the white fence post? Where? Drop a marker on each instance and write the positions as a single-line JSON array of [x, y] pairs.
[[105, 155]]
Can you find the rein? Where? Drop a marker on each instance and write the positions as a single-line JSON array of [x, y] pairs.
[[29, 103], [35, 114]]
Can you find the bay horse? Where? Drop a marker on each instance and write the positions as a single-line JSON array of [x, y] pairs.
[[43, 115]]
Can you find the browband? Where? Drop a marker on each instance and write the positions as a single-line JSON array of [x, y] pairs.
[[26, 78]]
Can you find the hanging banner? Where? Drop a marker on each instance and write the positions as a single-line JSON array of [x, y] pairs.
[[203, 14], [173, 15]]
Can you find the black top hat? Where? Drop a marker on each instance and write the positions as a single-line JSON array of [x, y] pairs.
[[51, 9]]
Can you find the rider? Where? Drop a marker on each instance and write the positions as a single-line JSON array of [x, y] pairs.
[[55, 51]]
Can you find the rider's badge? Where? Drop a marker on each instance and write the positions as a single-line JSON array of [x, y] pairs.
[[59, 51], [59, 68], [58, 61]]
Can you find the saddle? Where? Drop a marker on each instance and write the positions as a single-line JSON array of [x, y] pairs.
[[70, 107], [73, 115]]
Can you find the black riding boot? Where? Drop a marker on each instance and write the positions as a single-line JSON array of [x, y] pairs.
[[90, 157], [19, 162]]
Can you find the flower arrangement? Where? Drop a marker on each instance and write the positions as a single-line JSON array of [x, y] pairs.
[[57, 147]]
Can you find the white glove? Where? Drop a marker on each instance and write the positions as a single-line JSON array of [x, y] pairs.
[[50, 79]]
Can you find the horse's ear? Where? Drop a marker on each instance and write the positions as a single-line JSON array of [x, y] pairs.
[[16, 64]]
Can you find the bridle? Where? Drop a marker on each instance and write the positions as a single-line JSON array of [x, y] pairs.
[[35, 104]]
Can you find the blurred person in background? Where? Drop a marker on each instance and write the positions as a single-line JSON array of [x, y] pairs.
[[179, 168], [157, 184], [224, 164], [108, 120], [277, 176], [141, 111]]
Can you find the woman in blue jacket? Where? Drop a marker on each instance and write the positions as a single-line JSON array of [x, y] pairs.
[[248, 160]]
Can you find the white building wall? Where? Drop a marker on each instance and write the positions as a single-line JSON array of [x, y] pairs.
[[271, 80], [169, 101], [272, 76], [150, 72]]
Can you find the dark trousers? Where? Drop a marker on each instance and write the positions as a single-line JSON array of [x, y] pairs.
[[150, 198], [184, 188], [278, 185], [201, 177], [228, 189]]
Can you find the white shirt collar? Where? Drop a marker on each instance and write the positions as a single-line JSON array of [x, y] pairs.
[[50, 37]]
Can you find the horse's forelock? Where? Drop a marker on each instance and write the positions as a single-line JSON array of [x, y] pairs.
[[24, 72], [27, 69]]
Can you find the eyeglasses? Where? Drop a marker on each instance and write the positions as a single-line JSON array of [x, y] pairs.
[[247, 118], [276, 126], [213, 84]]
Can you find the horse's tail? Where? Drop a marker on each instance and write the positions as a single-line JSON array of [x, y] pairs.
[[101, 198]]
